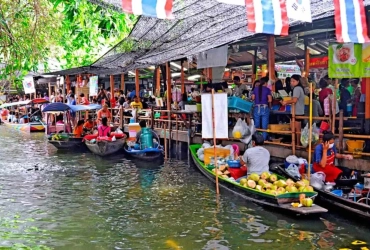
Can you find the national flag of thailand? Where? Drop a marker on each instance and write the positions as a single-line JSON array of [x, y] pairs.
[[267, 16], [153, 8], [350, 21]]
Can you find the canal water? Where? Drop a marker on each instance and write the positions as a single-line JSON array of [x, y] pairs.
[[75, 200]]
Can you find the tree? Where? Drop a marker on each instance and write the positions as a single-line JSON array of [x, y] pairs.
[[76, 32]]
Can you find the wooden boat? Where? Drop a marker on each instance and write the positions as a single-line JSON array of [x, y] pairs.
[[359, 210], [66, 142], [145, 154], [105, 146], [281, 202], [29, 126]]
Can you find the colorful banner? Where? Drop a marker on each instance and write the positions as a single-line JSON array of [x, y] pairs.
[[319, 62], [365, 59], [29, 85], [94, 88], [345, 60]]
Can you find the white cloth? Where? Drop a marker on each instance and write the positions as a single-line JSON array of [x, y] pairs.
[[213, 58], [220, 116]]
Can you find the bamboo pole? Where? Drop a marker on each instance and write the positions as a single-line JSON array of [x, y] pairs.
[[214, 139], [293, 128], [310, 137], [182, 78], [165, 141]]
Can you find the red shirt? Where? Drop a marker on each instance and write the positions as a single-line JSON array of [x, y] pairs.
[[324, 93], [113, 102]]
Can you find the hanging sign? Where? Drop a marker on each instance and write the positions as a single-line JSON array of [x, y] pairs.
[[220, 116], [29, 85], [345, 60], [319, 62], [93, 86]]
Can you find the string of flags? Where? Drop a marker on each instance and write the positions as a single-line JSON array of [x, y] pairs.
[[272, 16]]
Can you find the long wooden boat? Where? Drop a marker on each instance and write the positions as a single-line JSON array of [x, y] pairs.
[[26, 127], [67, 142], [105, 147], [281, 202], [32, 126], [359, 210]]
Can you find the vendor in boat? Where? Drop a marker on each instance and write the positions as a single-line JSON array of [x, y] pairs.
[[78, 130], [256, 158], [324, 157], [104, 113], [89, 125], [143, 125], [103, 129]]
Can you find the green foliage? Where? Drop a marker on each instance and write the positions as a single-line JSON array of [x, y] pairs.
[[76, 32]]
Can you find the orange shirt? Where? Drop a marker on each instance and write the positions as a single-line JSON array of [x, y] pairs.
[[102, 114], [89, 125], [78, 131]]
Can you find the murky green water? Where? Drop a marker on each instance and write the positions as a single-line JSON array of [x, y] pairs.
[[55, 200]]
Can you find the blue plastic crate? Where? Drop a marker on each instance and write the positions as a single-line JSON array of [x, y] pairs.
[[239, 104]]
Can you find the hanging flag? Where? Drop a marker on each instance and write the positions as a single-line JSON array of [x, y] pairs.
[[235, 2], [350, 21], [299, 10], [153, 8], [267, 16]]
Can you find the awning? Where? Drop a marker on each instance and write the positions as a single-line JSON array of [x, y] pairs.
[[61, 107]]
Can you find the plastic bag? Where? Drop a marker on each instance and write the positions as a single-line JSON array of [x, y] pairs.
[[318, 180], [293, 170], [305, 135], [114, 138], [248, 139], [119, 131], [239, 129]]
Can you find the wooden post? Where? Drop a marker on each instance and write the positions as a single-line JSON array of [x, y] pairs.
[[367, 99], [137, 82], [77, 88], [123, 82], [68, 83], [306, 59], [49, 89], [334, 104], [111, 84], [121, 122], [168, 70], [271, 58], [293, 128], [158, 82], [254, 66], [341, 131], [182, 78], [209, 73], [165, 141]]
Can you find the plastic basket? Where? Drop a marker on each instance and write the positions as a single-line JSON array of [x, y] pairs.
[[239, 104], [337, 192], [234, 164]]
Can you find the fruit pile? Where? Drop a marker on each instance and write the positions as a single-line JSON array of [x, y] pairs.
[[269, 184], [56, 137], [223, 171]]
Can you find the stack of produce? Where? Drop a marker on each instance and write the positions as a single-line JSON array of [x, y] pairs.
[[223, 171], [269, 184]]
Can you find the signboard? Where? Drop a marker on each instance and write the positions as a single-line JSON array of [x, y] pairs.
[[94, 88], [345, 60], [287, 70], [319, 62], [29, 85]]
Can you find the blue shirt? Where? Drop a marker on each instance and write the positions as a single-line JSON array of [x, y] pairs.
[[132, 94], [317, 156]]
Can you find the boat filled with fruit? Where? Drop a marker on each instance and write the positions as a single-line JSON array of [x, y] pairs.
[[266, 189]]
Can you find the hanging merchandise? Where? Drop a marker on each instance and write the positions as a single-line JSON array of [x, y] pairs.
[[267, 16], [157, 8], [350, 21]]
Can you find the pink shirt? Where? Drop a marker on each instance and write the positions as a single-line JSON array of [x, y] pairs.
[[103, 130]]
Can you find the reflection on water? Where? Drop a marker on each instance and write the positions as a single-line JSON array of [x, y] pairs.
[[80, 201]]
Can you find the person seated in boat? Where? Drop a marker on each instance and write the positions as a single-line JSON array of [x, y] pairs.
[[59, 118], [324, 157], [78, 130], [103, 129], [143, 125], [256, 158], [89, 125], [104, 112]]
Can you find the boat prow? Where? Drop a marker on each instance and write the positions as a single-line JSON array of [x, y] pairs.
[[106, 146]]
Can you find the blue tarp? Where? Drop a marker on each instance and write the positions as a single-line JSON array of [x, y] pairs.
[[61, 107]]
